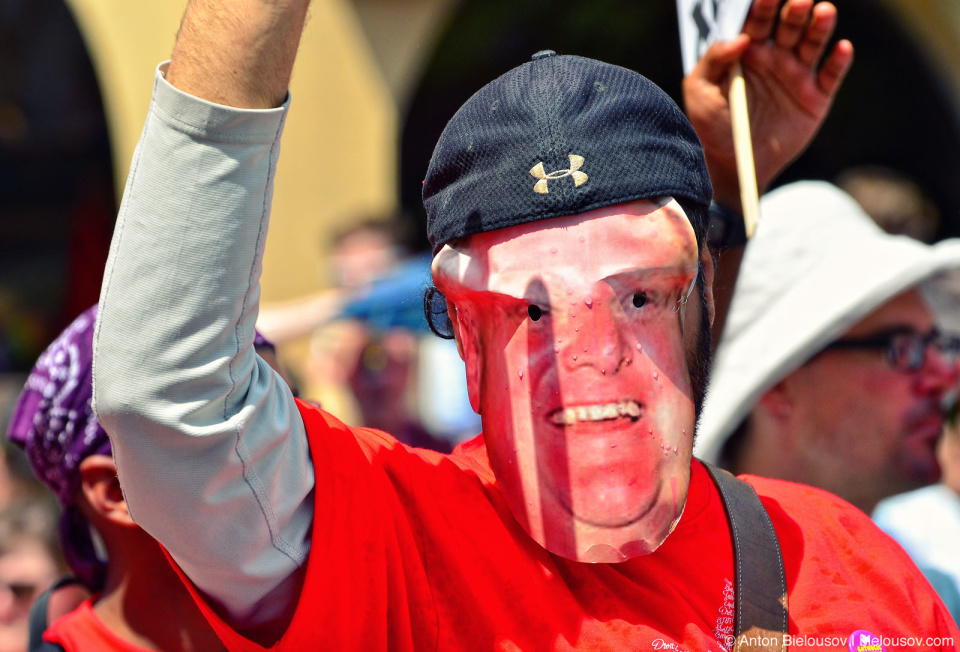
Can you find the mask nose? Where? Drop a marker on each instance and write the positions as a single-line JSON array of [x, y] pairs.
[[599, 334]]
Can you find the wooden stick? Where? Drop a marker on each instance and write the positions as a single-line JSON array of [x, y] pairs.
[[743, 149]]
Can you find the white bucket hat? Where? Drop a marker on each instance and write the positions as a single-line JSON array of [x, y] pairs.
[[817, 265]]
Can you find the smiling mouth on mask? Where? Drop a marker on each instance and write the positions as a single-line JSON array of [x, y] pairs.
[[597, 412]]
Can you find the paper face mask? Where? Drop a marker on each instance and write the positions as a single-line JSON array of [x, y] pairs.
[[572, 333]]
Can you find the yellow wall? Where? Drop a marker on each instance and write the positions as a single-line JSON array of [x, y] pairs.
[[339, 145]]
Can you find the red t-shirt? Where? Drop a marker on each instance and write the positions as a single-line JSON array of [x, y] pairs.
[[415, 550], [81, 630]]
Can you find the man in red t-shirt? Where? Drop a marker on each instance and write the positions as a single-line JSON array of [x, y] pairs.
[[567, 205]]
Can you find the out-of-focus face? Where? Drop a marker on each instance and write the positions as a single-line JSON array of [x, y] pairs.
[[863, 429], [572, 332], [26, 570], [363, 256]]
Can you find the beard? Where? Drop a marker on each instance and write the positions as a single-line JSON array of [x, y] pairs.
[[700, 357]]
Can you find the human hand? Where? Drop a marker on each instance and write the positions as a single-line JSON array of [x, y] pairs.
[[788, 93]]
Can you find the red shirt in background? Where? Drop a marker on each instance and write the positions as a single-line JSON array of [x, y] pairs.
[[81, 630]]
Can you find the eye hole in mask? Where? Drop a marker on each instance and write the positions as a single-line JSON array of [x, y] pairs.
[[639, 299], [535, 312]]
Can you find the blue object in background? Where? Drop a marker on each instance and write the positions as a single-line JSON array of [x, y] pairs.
[[394, 300]]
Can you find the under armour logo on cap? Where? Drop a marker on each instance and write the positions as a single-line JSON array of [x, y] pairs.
[[634, 139], [579, 178]]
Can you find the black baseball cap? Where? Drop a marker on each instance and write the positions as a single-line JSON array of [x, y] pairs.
[[561, 135]]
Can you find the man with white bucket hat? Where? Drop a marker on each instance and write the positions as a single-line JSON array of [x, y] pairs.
[[831, 370]]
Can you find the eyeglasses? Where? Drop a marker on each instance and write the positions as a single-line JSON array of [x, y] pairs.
[[905, 350]]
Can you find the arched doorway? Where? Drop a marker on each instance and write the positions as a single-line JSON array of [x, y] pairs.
[[57, 204]]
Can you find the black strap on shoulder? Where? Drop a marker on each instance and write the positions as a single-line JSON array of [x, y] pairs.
[[38, 617], [760, 624]]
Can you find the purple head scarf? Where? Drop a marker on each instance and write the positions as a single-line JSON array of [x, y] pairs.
[[53, 422]]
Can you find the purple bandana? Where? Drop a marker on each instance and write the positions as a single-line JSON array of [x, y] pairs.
[[54, 423], [53, 420], [260, 342]]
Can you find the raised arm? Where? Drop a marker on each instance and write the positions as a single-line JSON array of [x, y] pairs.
[[790, 88], [238, 53], [210, 447]]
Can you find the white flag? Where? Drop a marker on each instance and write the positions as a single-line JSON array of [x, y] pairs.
[[704, 21]]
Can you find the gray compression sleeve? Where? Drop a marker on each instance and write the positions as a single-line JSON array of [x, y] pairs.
[[210, 447]]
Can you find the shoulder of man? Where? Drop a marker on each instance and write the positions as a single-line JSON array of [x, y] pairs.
[[814, 525], [812, 509], [834, 554], [63, 598], [329, 436]]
